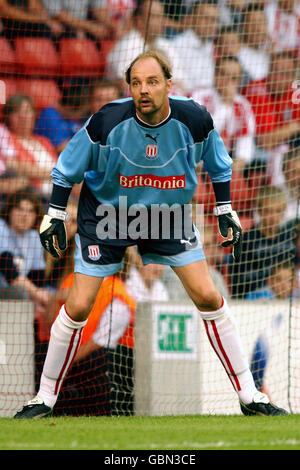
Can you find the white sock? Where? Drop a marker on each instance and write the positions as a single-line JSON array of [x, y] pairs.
[[225, 340], [63, 345]]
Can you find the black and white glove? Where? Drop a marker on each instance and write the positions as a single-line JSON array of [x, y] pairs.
[[228, 221], [53, 234]]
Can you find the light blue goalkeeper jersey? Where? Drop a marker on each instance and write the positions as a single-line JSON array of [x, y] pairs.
[[117, 154]]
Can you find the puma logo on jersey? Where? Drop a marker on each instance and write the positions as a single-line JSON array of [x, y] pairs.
[[187, 242], [152, 138]]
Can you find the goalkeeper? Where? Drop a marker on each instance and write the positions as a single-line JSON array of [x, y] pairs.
[[143, 150]]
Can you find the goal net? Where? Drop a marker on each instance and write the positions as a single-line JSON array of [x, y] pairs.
[[144, 349]]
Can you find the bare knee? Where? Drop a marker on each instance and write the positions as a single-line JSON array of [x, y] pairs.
[[207, 300], [199, 284], [82, 296], [79, 309]]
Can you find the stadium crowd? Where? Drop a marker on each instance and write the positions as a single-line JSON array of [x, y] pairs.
[[238, 58]]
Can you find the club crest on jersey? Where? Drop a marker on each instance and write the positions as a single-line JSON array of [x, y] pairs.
[[151, 152], [94, 252]]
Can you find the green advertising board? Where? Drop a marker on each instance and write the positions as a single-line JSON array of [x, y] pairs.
[[175, 332]]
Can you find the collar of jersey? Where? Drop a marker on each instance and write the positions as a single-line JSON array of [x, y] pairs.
[[145, 124]]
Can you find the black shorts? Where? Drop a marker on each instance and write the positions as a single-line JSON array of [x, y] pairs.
[[101, 253]]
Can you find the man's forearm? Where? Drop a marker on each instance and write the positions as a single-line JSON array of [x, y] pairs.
[[59, 197], [222, 192], [26, 284]]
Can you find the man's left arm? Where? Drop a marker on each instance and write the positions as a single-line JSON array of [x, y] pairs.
[[218, 163]]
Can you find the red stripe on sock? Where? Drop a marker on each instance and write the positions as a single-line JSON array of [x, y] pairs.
[[65, 363], [76, 349], [213, 346], [237, 383]]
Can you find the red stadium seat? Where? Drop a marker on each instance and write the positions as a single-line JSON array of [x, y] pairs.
[[44, 92], [106, 47], [36, 56], [79, 57], [7, 56]]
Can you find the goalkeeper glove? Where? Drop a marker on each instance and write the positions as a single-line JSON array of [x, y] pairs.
[[53, 233], [228, 220]]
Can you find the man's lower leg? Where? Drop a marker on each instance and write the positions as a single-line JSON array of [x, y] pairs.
[[63, 345], [225, 340]]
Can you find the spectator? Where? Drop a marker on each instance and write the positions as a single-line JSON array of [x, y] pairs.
[[283, 17], [231, 112], [28, 18], [22, 263], [59, 123], [264, 245], [147, 31], [254, 55], [10, 179], [276, 111], [75, 17], [280, 285], [176, 13], [101, 93], [177, 9], [231, 13], [35, 155], [116, 14], [196, 45], [228, 43], [291, 186]]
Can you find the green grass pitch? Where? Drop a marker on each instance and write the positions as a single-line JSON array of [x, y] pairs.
[[152, 433]]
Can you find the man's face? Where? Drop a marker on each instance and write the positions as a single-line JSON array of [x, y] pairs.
[[281, 75], [205, 21], [271, 213], [22, 120], [228, 79], [102, 96], [154, 22], [22, 217], [283, 283], [149, 89], [229, 44], [256, 29]]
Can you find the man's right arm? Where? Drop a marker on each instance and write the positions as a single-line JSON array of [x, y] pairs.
[[79, 156]]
